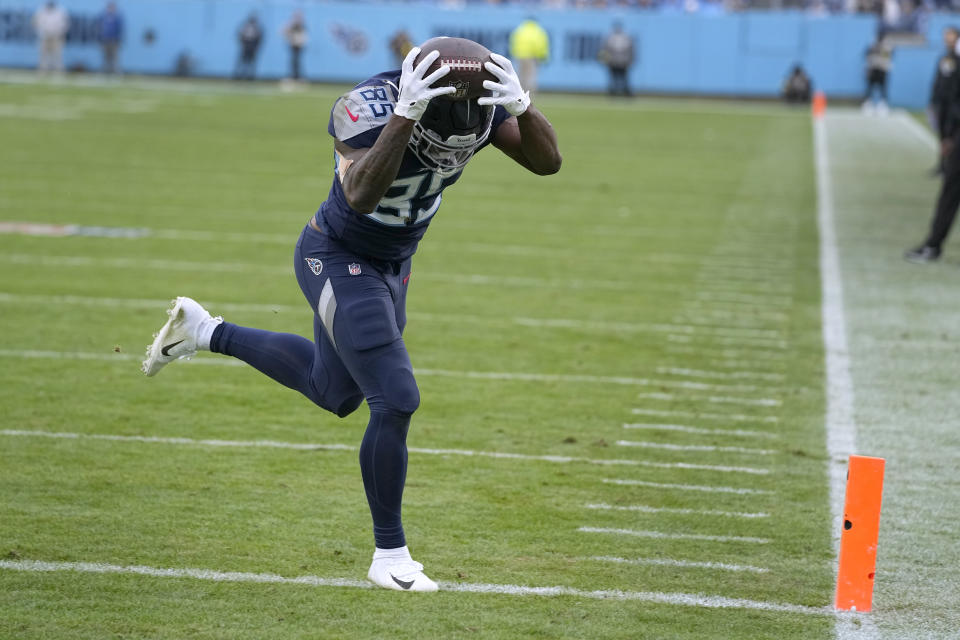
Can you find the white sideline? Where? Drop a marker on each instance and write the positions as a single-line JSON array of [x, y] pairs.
[[441, 373], [688, 487], [755, 402], [733, 417], [655, 597], [685, 564], [273, 444], [705, 448], [682, 428], [840, 425], [660, 535], [642, 508]]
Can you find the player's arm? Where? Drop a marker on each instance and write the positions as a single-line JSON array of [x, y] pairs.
[[367, 173], [527, 137]]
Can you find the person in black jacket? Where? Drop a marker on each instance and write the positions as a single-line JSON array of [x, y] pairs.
[[946, 67], [947, 90], [249, 35]]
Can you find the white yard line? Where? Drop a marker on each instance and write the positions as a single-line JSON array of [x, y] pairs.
[[539, 323], [642, 508], [753, 402], [667, 598], [920, 132], [272, 444], [747, 356], [509, 376], [682, 564], [682, 428], [662, 535], [761, 343], [688, 487], [722, 375], [703, 448], [732, 417], [840, 424]]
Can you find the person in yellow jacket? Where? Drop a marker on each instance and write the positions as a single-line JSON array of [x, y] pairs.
[[529, 46]]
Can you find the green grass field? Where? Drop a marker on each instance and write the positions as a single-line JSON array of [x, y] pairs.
[[642, 330]]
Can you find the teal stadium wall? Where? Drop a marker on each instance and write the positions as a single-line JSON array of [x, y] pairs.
[[744, 54]]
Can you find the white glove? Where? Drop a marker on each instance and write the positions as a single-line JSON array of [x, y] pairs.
[[415, 91], [508, 91]]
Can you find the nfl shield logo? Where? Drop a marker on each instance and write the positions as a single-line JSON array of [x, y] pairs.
[[354, 269], [315, 265]]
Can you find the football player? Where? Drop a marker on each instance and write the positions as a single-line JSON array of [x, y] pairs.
[[400, 139]]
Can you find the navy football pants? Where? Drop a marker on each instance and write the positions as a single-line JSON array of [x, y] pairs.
[[357, 353]]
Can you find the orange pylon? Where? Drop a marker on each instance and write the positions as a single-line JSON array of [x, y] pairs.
[[819, 105], [858, 538]]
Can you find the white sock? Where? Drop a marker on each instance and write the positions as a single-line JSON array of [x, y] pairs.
[[205, 332], [401, 553]]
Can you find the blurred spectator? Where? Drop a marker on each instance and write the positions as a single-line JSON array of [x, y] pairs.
[[295, 34], [878, 66], [939, 96], [529, 46], [797, 88], [110, 32], [51, 24], [250, 35], [617, 54], [400, 45]]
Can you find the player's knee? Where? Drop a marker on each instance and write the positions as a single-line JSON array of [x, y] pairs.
[[349, 405], [401, 394]]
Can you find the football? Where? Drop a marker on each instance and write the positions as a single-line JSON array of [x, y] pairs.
[[465, 59]]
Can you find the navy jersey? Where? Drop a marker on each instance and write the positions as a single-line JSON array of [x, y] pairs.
[[393, 230]]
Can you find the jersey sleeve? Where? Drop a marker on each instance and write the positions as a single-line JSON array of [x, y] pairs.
[[499, 116], [358, 117]]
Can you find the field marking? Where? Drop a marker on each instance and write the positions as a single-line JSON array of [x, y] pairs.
[[682, 428], [688, 487], [745, 298], [762, 343], [753, 402], [642, 508], [747, 355], [919, 132], [721, 375], [705, 448], [661, 535], [548, 323], [511, 376], [683, 564], [733, 417], [306, 446], [841, 427], [655, 597], [243, 267]]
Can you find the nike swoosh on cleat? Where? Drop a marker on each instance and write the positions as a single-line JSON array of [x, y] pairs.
[[403, 583], [352, 117], [166, 351]]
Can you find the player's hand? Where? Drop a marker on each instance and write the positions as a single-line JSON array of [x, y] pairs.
[[946, 146], [508, 91], [415, 90]]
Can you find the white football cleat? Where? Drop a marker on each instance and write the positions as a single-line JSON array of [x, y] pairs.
[[178, 337], [400, 574]]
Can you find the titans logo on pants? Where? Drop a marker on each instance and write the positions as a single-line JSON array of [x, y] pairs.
[[315, 265]]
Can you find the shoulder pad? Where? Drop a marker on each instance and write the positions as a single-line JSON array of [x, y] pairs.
[[362, 110]]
